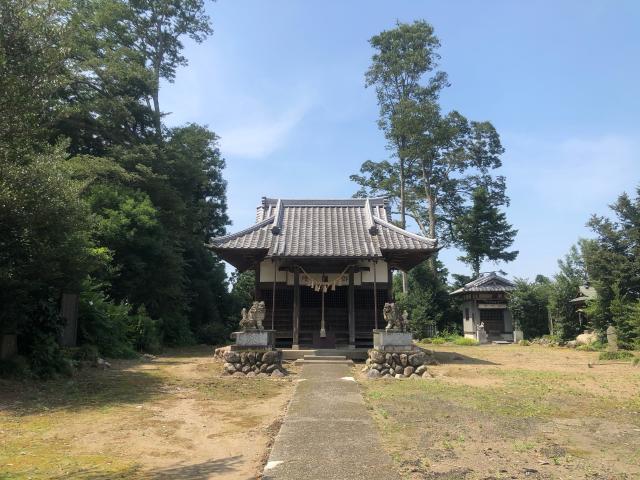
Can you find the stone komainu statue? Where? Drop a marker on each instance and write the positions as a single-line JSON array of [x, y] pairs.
[[395, 320], [252, 320]]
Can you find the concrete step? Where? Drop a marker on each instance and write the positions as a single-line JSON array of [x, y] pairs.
[[323, 361], [324, 357]]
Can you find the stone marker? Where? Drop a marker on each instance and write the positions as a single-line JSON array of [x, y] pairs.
[[481, 334], [612, 339]]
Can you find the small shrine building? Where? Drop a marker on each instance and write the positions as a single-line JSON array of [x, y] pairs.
[[484, 301]]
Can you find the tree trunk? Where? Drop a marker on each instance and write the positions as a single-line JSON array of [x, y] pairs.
[[155, 94], [431, 211], [403, 219]]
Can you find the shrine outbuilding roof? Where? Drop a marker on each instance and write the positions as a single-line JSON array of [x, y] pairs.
[[307, 229], [490, 282]]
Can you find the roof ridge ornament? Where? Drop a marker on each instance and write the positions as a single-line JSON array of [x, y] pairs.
[[277, 218], [371, 226]]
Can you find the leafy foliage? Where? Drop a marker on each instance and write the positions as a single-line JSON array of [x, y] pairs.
[[565, 287], [484, 233], [528, 304], [612, 262], [427, 301], [92, 185]]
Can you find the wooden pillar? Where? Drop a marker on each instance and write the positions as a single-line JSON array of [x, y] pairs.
[[375, 296], [352, 312], [273, 296], [296, 309], [257, 294], [389, 285]]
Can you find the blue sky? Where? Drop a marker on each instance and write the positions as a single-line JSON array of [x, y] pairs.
[[282, 83]]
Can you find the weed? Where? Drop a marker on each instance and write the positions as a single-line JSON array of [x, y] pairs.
[[466, 342], [619, 355]]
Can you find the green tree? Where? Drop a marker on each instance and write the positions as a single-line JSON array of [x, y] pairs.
[[612, 262], [403, 57], [159, 26], [440, 159], [528, 305], [483, 232], [565, 287], [427, 301]]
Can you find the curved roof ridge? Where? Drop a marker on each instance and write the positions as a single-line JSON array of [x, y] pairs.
[[252, 228], [404, 232]]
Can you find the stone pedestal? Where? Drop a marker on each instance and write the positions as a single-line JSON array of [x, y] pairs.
[[254, 339], [517, 336], [481, 335], [392, 340]]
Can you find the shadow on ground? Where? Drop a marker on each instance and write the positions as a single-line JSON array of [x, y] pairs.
[[90, 388], [198, 471], [458, 358]]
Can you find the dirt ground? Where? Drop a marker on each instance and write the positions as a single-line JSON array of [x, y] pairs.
[[171, 417], [511, 412]]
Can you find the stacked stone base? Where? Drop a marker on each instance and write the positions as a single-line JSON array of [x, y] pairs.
[[399, 363], [253, 363]]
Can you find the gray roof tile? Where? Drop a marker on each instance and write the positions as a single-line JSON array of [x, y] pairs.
[[490, 282], [324, 228]]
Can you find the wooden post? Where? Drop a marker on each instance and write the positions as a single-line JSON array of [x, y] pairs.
[[375, 296], [352, 311], [273, 296], [389, 285], [296, 309], [257, 294]]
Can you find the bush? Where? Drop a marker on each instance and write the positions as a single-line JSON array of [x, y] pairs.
[[86, 352], [144, 332], [464, 341], [524, 343], [15, 367], [438, 341], [619, 355], [213, 334], [39, 340], [103, 323], [596, 346]]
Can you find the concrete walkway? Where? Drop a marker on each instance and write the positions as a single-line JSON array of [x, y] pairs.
[[327, 432]]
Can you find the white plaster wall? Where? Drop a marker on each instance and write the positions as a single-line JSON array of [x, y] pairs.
[[382, 271], [267, 271]]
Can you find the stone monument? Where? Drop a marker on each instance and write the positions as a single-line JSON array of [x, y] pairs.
[[481, 334], [612, 339]]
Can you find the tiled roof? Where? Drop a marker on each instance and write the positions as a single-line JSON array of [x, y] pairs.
[[490, 282], [324, 228]]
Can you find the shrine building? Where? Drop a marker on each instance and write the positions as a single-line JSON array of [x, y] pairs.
[[323, 267]]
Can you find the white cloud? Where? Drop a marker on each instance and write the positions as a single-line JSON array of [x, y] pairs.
[[262, 133], [573, 173]]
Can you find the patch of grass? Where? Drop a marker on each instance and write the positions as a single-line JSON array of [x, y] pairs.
[[226, 389], [523, 446], [619, 355], [465, 342]]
